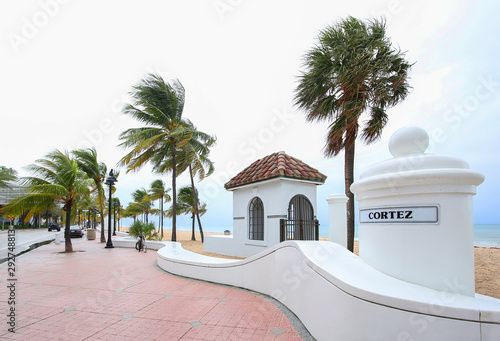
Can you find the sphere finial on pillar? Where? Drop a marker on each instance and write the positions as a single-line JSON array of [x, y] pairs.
[[409, 140]]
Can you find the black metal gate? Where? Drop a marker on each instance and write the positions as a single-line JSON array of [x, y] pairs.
[[300, 224]]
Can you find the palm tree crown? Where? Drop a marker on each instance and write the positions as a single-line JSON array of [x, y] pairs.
[[56, 179], [6, 175], [95, 170], [159, 105], [352, 70], [143, 202]]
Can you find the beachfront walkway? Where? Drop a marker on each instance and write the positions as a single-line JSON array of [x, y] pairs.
[[119, 294]]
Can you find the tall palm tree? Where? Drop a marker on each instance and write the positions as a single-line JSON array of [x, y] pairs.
[[353, 69], [188, 203], [119, 212], [159, 105], [160, 193], [6, 175], [95, 170], [132, 210], [143, 202], [56, 179], [195, 157], [86, 204]]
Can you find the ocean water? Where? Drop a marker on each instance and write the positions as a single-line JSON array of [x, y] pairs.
[[484, 235], [487, 235]]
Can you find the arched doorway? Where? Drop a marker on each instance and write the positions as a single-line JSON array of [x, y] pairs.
[[300, 224], [300, 208]]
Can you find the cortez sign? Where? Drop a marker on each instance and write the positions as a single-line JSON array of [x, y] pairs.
[[428, 214]]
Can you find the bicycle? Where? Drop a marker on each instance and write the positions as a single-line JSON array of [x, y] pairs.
[[141, 243]]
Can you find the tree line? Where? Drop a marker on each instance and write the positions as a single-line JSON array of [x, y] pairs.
[[169, 142]]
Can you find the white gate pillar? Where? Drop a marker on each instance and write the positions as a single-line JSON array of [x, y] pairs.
[[337, 219], [415, 215]]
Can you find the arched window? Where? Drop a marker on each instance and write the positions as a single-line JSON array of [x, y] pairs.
[[256, 220]]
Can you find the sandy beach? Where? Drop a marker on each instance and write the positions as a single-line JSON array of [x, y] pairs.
[[487, 261]]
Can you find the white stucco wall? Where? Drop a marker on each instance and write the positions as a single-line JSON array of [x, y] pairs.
[[275, 195], [338, 296]]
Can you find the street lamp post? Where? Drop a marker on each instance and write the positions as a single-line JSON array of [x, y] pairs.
[[110, 181]]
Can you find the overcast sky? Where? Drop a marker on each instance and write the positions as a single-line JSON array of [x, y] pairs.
[[67, 67]]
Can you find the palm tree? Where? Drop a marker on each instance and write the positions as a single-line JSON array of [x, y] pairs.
[[160, 193], [132, 210], [95, 170], [87, 203], [353, 69], [159, 105], [143, 202], [56, 179], [190, 204], [6, 175], [116, 207], [195, 157], [119, 211]]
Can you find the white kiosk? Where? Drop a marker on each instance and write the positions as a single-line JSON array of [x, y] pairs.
[[415, 215]]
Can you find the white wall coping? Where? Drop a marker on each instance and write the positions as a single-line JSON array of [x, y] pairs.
[[226, 236], [130, 241]]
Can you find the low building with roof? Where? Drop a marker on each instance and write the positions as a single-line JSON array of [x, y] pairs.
[[274, 199], [12, 191]]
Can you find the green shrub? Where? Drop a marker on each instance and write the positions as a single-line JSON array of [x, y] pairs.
[[139, 227]]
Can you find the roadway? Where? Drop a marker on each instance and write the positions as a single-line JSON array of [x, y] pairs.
[[23, 239]]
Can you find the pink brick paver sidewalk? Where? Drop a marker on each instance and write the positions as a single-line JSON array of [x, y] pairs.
[[119, 294]]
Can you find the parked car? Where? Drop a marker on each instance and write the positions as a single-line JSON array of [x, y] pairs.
[[75, 231], [54, 227]]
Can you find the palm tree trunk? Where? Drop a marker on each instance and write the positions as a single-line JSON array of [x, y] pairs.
[[193, 237], [68, 247], [349, 179], [174, 197], [162, 218], [195, 200], [103, 238]]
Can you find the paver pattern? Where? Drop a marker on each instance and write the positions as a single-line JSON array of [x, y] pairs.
[[119, 294]]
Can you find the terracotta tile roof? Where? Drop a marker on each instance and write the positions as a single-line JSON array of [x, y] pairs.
[[275, 165]]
